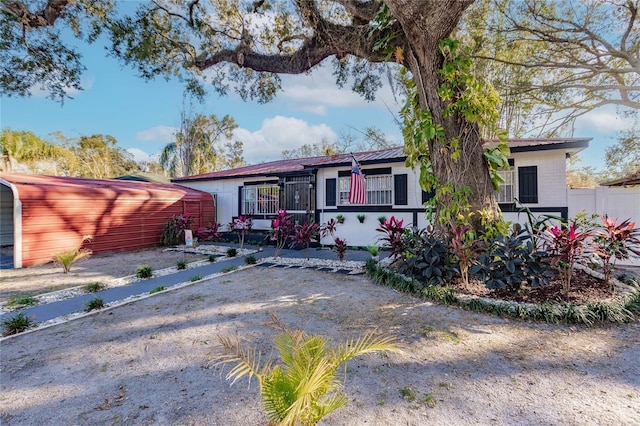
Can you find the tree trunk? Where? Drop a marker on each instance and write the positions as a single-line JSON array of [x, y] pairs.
[[425, 24]]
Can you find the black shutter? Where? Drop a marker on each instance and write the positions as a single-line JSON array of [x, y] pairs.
[[240, 199], [330, 192], [426, 196], [400, 197], [528, 184]]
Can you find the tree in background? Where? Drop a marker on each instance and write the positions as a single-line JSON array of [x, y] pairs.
[[623, 158], [553, 61], [195, 149], [96, 156], [26, 152]]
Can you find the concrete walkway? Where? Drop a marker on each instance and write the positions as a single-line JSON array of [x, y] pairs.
[[49, 311]]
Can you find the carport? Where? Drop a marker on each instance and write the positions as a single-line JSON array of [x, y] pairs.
[[43, 215]]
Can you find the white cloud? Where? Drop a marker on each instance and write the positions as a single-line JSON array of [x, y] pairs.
[[138, 154], [317, 91], [280, 133], [40, 92], [604, 120], [157, 134]]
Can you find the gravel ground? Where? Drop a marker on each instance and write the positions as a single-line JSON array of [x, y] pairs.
[[146, 363]]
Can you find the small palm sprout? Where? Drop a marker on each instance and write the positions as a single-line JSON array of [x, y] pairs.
[[68, 258], [304, 387]]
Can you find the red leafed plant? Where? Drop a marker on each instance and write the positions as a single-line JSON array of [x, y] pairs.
[[208, 233], [242, 226], [616, 241], [280, 230], [566, 245], [304, 235], [464, 247], [340, 247], [393, 235]]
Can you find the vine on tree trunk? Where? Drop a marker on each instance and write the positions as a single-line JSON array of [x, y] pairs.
[[477, 103]]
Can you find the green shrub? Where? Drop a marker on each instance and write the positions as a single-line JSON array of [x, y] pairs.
[[157, 289], [22, 301], [68, 258], [195, 278], [229, 269], [212, 258], [427, 258], [93, 304], [181, 264], [509, 262], [232, 252], [16, 324], [144, 271], [174, 228], [250, 260], [304, 384], [93, 287]]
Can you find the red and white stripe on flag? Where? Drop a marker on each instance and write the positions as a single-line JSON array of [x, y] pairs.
[[358, 185]]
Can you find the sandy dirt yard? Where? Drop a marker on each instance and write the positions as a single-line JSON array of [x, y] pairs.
[[49, 277], [147, 363]]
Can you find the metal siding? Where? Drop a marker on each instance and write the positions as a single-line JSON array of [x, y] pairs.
[[58, 212]]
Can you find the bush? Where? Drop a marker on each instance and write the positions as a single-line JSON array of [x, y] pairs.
[[22, 301], [68, 258], [156, 289], [16, 324], [93, 287], [212, 258], [181, 264], [509, 261], [250, 260], [144, 271], [93, 304], [232, 252], [174, 228], [427, 258]]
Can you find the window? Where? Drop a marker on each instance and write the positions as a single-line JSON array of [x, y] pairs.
[[506, 189], [260, 199], [379, 189]]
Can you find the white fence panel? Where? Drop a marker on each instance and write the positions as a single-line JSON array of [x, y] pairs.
[[617, 203]]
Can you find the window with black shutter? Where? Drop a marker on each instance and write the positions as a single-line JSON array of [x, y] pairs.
[[426, 196], [528, 184], [400, 196], [330, 192]]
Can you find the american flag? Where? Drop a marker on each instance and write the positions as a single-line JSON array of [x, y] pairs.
[[358, 185]]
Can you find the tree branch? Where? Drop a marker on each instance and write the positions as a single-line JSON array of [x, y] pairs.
[[42, 18]]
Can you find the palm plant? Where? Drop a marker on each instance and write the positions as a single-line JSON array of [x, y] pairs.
[[68, 258], [304, 387]]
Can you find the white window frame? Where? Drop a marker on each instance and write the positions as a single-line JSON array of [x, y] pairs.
[[379, 190], [253, 205], [507, 189]]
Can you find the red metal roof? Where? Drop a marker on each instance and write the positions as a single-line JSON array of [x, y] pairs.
[[56, 212], [367, 157], [149, 190]]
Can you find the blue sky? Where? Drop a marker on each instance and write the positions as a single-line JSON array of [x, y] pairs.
[[141, 115]]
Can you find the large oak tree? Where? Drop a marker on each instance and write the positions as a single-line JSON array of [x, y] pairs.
[[248, 44]]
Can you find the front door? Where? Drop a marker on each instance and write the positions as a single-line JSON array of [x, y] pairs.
[[299, 198]]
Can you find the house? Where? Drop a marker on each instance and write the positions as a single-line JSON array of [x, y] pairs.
[[317, 188], [43, 215]]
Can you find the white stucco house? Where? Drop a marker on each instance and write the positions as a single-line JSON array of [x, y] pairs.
[[317, 188]]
